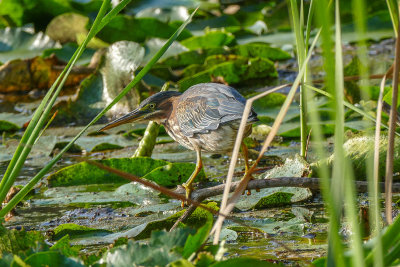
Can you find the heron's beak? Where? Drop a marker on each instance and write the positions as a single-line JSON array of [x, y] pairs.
[[133, 116]]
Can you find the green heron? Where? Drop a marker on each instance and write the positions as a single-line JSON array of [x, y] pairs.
[[206, 117]]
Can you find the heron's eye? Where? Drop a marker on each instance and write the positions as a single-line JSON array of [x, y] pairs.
[[152, 105]]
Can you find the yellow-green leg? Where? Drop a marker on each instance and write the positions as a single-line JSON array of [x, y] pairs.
[[188, 185], [245, 152]]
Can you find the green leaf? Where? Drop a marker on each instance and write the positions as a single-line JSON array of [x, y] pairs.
[[194, 242], [51, 258], [211, 39], [233, 69], [159, 251], [262, 50], [173, 174], [143, 28], [74, 231], [84, 173], [64, 247]]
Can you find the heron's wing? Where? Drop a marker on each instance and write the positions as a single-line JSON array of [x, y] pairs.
[[204, 109]]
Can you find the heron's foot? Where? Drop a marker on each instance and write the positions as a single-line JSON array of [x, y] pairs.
[[189, 190], [251, 178]]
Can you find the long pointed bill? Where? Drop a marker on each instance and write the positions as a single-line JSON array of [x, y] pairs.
[[130, 117]]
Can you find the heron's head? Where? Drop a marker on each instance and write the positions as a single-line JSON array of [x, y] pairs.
[[154, 108]]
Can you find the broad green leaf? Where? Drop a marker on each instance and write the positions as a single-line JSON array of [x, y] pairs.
[[173, 174], [74, 231], [211, 39], [12, 121], [84, 173], [232, 69], [194, 242], [143, 28], [51, 258]]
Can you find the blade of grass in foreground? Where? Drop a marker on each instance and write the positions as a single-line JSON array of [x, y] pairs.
[[17, 198], [301, 54], [343, 166], [42, 113], [331, 190]]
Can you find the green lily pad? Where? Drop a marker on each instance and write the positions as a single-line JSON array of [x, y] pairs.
[[84, 173], [193, 57], [211, 39], [262, 50], [75, 148], [144, 28], [233, 70], [274, 200], [6, 126], [105, 146], [198, 218], [14, 241], [173, 174], [74, 231], [12, 122]]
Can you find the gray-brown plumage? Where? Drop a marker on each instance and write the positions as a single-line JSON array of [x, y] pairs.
[[205, 117]]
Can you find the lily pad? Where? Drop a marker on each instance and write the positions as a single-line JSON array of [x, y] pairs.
[[198, 218], [173, 174], [66, 51], [262, 50], [211, 39], [15, 121], [274, 200], [144, 28], [153, 45], [193, 57], [20, 43], [233, 70], [105, 146], [174, 13], [75, 148], [65, 27], [74, 230], [85, 173], [41, 150]]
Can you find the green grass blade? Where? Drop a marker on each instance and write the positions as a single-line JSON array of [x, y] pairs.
[[348, 105], [342, 171], [394, 14], [297, 21], [17, 198], [41, 114]]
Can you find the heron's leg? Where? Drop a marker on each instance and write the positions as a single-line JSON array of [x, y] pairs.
[[199, 165], [245, 152]]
